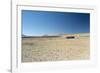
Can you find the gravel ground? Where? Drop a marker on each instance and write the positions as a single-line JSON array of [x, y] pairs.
[[55, 49]]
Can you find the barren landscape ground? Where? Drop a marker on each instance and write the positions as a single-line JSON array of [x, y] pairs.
[[55, 49]]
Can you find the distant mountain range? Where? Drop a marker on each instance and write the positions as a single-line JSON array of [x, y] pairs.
[[54, 35], [25, 36]]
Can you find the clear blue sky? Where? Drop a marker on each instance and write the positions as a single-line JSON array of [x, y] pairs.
[[43, 22]]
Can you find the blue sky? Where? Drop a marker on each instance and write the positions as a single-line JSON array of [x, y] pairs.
[[45, 22]]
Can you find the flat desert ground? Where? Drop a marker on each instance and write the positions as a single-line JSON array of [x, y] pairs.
[[55, 49]]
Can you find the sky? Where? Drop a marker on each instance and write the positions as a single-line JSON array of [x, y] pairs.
[[37, 23]]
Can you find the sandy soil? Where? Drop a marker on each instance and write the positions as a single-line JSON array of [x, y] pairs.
[[55, 49]]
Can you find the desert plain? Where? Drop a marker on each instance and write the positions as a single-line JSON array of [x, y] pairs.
[[57, 48]]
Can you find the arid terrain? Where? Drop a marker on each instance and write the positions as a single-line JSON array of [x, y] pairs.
[[36, 49]]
